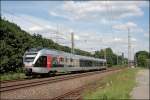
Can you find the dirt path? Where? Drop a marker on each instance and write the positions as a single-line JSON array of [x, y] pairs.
[[141, 91]]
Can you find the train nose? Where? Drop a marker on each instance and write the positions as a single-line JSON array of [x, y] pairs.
[[28, 65], [28, 68]]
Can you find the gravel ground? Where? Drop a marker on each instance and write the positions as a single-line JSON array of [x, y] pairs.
[[52, 90], [141, 91]]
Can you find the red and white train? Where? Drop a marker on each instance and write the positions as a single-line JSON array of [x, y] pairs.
[[47, 61]]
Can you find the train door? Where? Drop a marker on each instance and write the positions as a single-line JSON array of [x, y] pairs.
[[49, 61]]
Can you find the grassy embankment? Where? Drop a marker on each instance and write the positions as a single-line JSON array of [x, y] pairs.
[[12, 76], [116, 86]]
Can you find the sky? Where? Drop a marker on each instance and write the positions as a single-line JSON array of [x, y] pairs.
[[95, 24]]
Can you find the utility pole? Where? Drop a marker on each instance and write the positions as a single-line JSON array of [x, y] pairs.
[[117, 59], [129, 47], [133, 56], [72, 47], [72, 43], [105, 53], [122, 58], [135, 60], [105, 56]]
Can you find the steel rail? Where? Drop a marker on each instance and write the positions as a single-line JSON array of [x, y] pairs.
[[75, 94], [29, 83]]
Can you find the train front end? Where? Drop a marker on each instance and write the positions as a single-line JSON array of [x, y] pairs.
[[35, 63]]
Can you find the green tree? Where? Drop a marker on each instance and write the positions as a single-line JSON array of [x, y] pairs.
[[110, 56], [142, 57]]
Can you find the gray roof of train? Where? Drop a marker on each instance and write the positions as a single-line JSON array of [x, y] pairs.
[[69, 55]]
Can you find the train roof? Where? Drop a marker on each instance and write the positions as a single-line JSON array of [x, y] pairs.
[[57, 52]]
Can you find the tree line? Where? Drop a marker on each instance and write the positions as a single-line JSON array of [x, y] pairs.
[[112, 58]]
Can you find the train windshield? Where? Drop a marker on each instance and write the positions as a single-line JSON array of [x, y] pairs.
[[29, 57]]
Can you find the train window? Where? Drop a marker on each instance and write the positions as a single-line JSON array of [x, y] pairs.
[[89, 63], [29, 59], [104, 64], [71, 60], [30, 53], [85, 63], [41, 62], [97, 63], [66, 60], [62, 59], [55, 63], [93, 63], [101, 63], [81, 63]]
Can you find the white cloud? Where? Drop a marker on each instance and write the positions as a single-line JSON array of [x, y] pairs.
[[53, 13], [76, 37], [133, 39], [98, 9], [35, 28], [133, 27], [60, 14], [125, 26], [117, 39]]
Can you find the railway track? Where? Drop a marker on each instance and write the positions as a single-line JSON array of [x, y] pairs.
[[76, 94], [30, 83], [25, 79], [71, 95], [8, 81]]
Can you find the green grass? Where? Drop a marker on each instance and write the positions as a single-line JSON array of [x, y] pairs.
[[123, 65], [115, 86], [12, 76]]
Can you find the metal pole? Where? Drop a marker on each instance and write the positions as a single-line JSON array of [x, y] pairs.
[[117, 59], [135, 60], [129, 48], [122, 58], [72, 42], [72, 47], [105, 55]]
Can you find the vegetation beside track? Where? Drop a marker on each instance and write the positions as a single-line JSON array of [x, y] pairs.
[[116, 86], [21, 75], [120, 66], [12, 76]]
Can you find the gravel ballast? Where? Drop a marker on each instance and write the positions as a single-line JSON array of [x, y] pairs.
[[49, 91]]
